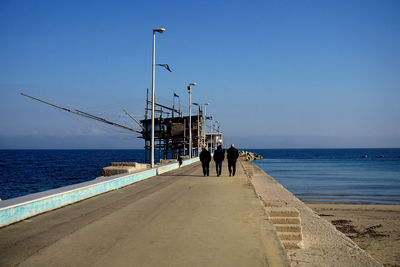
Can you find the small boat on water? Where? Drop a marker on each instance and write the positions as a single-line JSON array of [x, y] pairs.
[[380, 156], [364, 156]]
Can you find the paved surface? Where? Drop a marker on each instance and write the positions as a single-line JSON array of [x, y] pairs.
[[177, 219]]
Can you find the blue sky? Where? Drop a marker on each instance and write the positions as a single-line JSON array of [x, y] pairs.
[[277, 74]]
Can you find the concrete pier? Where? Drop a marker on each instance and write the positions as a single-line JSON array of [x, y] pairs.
[[20, 208], [179, 218]]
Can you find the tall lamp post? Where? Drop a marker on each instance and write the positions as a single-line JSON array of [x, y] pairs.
[[211, 135], [205, 124], [159, 30], [217, 132], [190, 118], [198, 127]]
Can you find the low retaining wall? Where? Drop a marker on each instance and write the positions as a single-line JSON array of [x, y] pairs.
[[17, 209]]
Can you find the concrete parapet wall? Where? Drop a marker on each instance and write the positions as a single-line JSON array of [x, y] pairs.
[[123, 167], [131, 164], [17, 209], [114, 170], [165, 161]]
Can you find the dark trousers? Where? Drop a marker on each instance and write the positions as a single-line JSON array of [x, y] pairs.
[[206, 168], [232, 167], [218, 166]]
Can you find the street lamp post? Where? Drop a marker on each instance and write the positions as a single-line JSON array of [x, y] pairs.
[[217, 132], [211, 134], [190, 118], [198, 127], [205, 124], [159, 30]]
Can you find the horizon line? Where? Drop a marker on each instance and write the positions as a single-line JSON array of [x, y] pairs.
[[304, 148]]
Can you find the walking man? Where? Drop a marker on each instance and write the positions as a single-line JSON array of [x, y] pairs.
[[219, 156], [232, 156], [205, 158], [179, 159]]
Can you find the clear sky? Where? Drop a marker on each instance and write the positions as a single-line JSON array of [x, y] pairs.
[[277, 74]]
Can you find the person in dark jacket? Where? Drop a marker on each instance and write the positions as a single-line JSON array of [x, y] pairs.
[[219, 156], [179, 159], [205, 158], [232, 155]]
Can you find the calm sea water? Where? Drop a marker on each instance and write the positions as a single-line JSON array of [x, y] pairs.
[[339, 175], [24, 172]]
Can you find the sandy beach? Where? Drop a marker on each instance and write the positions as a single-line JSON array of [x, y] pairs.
[[375, 228]]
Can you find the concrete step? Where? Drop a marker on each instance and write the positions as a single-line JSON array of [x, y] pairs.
[[285, 220], [282, 212], [290, 236], [287, 225], [294, 228], [291, 244]]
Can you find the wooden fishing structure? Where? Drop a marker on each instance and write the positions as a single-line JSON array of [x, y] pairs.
[[171, 130], [171, 133]]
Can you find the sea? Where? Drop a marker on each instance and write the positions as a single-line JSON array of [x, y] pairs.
[[359, 176], [367, 176], [24, 172]]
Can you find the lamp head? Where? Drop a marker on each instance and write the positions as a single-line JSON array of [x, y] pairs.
[[192, 84], [159, 30], [206, 104], [196, 104]]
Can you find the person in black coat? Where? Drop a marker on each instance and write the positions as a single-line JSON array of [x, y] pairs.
[[219, 156], [179, 159], [232, 156], [205, 158]]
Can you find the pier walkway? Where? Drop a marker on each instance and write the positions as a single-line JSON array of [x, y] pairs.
[[179, 218]]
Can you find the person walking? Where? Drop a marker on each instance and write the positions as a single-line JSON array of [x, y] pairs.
[[219, 156], [179, 159], [232, 155], [205, 158]]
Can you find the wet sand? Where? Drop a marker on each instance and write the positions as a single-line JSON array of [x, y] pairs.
[[375, 228]]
